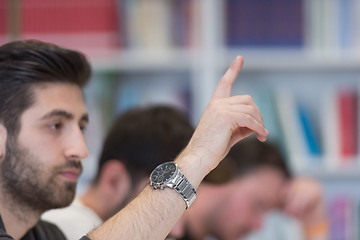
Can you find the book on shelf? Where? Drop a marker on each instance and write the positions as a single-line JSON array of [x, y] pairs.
[[337, 216], [348, 109], [264, 23], [330, 132], [354, 26], [332, 26], [325, 138], [348, 31], [4, 31], [182, 21], [343, 212], [156, 24], [83, 24], [340, 128], [358, 128], [287, 112], [325, 27], [148, 23], [346, 23], [307, 126]]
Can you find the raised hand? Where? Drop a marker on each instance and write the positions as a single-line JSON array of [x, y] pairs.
[[226, 120]]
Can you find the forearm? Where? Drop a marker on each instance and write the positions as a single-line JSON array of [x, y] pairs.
[[153, 213], [150, 216]]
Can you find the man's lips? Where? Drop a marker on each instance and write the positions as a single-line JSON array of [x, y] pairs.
[[71, 174]]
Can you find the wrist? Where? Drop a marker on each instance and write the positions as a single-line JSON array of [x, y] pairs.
[[192, 166]]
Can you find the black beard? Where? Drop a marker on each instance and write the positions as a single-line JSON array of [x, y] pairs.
[[25, 182]]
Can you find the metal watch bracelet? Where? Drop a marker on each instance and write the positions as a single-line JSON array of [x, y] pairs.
[[185, 189]]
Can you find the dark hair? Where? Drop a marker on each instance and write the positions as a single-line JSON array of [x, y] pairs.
[[25, 64], [143, 138], [247, 156]]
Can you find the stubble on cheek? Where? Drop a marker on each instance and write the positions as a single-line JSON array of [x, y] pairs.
[[27, 181]]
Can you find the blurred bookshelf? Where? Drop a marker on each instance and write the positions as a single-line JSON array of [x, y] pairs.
[[302, 58], [137, 60]]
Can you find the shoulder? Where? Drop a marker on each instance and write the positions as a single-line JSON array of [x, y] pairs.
[[5, 236], [75, 220], [45, 230], [76, 211]]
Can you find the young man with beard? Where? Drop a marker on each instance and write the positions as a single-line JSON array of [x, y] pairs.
[[42, 116], [234, 198], [139, 140]]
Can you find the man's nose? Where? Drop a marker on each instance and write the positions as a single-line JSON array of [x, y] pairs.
[[76, 148]]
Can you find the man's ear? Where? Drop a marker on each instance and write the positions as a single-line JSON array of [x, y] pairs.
[[3, 137], [115, 181]]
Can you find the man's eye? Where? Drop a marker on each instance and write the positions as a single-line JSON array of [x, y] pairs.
[[56, 126], [83, 128]]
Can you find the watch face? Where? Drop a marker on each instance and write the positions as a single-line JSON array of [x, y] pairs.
[[163, 172]]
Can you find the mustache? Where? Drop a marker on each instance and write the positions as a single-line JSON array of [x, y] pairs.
[[70, 164]]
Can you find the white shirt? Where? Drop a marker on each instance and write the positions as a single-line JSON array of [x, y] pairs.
[[75, 220], [278, 226]]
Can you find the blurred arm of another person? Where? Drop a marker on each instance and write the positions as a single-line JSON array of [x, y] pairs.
[[303, 199]]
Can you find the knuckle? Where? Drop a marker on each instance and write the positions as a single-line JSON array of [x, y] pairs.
[[252, 110], [248, 98], [247, 119]]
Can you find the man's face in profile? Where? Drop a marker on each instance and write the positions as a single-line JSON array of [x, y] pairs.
[[41, 165], [249, 199]]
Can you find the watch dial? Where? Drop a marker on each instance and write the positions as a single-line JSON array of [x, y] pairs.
[[163, 172]]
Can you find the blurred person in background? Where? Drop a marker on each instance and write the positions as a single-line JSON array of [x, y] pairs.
[[235, 197], [140, 140]]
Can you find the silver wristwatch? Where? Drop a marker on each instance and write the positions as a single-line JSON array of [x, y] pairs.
[[169, 175]]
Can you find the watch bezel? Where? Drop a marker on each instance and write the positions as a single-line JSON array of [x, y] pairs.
[[167, 180]]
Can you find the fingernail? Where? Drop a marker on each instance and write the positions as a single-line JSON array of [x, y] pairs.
[[238, 58], [261, 138], [237, 61]]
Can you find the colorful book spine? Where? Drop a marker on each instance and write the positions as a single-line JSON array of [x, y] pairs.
[[81, 24], [343, 213], [4, 31], [329, 128], [348, 124], [308, 127], [264, 23], [156, 25], [290, 124]]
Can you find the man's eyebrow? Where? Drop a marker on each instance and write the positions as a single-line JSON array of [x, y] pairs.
[[85, 118], [57, 113], [65, 114]]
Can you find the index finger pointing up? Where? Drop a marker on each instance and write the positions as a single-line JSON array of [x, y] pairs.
[[224, 87]]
